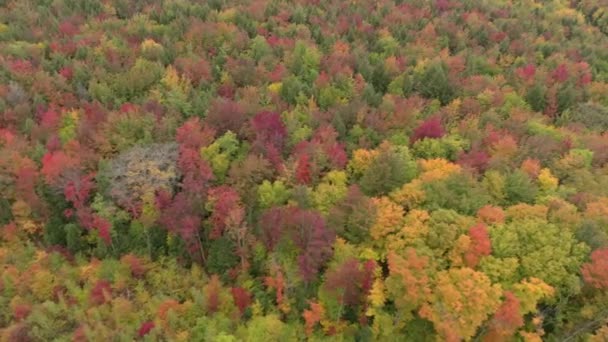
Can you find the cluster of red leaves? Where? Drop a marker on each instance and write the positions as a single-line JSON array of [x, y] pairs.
[[430, 128], [101, 292], [270, 136], [480, 245], [506, 320], [595, 272], [351, 281], [226, 204], [306, 229], [241, 297]]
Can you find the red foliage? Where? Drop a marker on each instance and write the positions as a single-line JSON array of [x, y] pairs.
[[213, 294], [21, 66], [595, 273], [179, 216], [277, 283], [475, 159], [197, 70], [67, 73], [79, 335], [49, 119], [195, 170], [269, 129], [226, 115], [145, 328], [21, 311], [480, 245], [225, 200], [327, 138], [527, 72], [351, 281], [78, 190], [242, 298], [54, 164], [103, 227], [101, 292], [560, 74], [430, 128], [25, 184], [68, 28], [138, 270], [506, 320], [193, 134], [307, 230], [303, 174], [270, 136]]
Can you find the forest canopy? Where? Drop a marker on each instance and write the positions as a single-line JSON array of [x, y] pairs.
[[290, 170]]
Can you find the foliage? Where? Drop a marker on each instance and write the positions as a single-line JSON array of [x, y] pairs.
[[303, 170]]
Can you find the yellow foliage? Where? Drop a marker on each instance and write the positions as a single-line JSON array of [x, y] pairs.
[[546, 181], [410, 195], [42, 285], [275, 87], [149, 214], [389, 218], [530, 292], [377, 295], [437, 169], [597, 209], [227, 15], [361, 161], [415, 227], [462, 300], [150, 44], [173, 81], [530, 336], [462, 244], [523, 211], [21, 213]]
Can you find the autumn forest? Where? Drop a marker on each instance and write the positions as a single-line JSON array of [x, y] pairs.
[[303, 170]]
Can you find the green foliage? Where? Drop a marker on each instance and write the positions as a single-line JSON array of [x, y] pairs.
[[273, 194], [221, 256], [432, 82], [447, 147], [519, 188], [393, 167], [221, 153], [543, 250], [459, 191]]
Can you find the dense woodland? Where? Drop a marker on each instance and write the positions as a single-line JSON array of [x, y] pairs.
[[289, 170]]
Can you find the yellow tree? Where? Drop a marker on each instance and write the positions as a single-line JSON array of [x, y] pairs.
[[461, 301]]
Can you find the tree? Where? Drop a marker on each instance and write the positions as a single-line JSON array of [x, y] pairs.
[[430, 128], [306, 229], [270, 136], [433, 83], [352, 216], [273, 194], [390, 169], [409, 281], [461, 301], [542, 249], [331, 190], [459, 191], [506, 320], [595, 272]]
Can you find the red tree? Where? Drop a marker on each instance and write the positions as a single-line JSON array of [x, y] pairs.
[[595, 273], [480, 245], [431, 128]]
